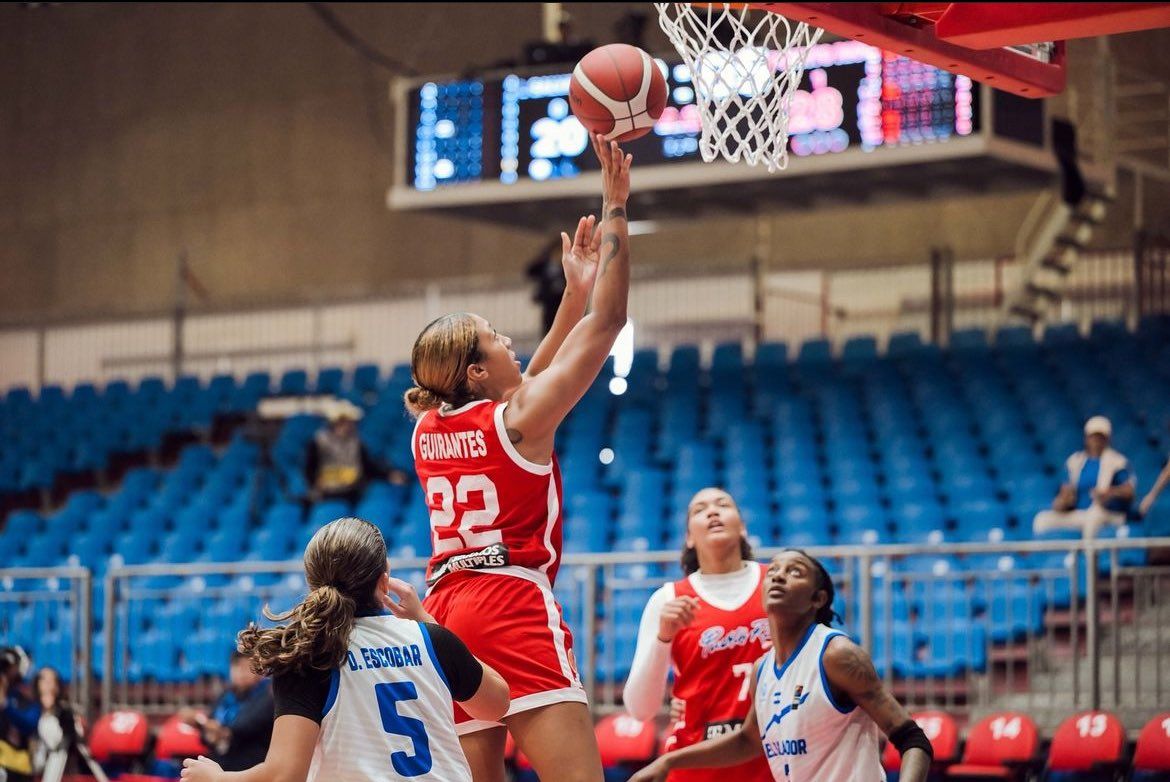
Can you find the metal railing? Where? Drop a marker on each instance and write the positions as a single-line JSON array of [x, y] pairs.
[[50, 609], [948, 625]]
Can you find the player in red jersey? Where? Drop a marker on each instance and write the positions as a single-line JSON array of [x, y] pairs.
[[711, 626], [483, 450]]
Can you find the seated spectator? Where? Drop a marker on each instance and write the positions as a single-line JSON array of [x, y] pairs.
[[240, 726], [18, 716], [337, 464], [1099, 490], [58, 748]]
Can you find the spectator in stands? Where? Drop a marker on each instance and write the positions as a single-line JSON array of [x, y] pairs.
[[240, 726], [18, 720], [58, 735], [337, 464], [1100, 486]]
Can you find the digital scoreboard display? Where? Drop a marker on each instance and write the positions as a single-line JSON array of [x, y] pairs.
[[513, 128]]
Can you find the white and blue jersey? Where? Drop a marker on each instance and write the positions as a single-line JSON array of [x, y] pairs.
[[807, 735], [387, 712]]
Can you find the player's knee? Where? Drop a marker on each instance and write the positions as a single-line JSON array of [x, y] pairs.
[[582, 773]]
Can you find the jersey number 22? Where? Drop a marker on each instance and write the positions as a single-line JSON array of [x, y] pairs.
[[443, 517]]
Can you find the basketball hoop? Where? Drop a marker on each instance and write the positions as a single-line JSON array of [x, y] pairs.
[[745, 66]]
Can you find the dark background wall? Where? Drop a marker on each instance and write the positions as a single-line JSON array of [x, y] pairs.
[[253, 138]]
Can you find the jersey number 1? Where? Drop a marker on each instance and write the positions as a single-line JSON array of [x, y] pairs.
[[444, 516], [390, 694]]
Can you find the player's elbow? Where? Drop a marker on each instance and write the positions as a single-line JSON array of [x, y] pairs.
[[610, 321], [275, 769], [491, 700], [641, 709]]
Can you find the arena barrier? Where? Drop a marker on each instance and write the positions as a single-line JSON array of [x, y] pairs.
[[49, 613], [963, 627]]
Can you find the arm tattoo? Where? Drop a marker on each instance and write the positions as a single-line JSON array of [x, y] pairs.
[[610, 244], [615, 213], [864, 686], [514, 436]]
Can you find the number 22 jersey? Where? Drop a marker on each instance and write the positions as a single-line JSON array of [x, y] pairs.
[[490, 508]]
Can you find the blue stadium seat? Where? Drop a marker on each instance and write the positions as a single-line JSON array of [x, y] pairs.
[[329, 380], [727, 358], [1061, 334], [969, 341], [815, 351], [771, 355], [951, 649], [894, 645], [23, 524], [1014, 610], [859, 350], [365, 378], [903, 344], [225, 545], [294, 381], [327, 511], [1014, 338]]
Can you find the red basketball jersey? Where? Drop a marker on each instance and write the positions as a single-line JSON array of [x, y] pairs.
[[490, 507], [713, 659]]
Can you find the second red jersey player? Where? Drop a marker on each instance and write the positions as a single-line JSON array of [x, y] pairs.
[[710, 627], [713, 658]]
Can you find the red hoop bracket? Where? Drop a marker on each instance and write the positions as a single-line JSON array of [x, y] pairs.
[[870, 23]]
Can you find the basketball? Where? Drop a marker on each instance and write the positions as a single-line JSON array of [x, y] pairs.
[[617, 91]]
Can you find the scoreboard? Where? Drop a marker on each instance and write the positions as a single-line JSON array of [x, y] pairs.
[[511, 137]]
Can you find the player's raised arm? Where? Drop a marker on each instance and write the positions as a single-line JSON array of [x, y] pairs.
[[540, 405], [579, 257]]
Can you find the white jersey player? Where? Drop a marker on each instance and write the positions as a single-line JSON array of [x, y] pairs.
[[363, 690], [818, 703]]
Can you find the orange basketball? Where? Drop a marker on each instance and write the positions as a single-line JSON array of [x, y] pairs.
[[617, 91]]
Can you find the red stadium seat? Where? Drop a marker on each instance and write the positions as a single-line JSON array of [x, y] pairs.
[[1152, 754], [623, 739], [1086, 742], [119, 734], [998, 747], [177, 739], [943, 733]]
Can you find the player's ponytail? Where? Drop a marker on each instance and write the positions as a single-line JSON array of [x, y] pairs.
[[439, 361], [343, 563]]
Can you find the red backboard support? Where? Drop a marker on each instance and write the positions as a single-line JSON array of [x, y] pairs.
[[968, 38]]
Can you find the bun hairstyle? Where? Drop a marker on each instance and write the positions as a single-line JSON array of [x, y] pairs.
[[343, 563], [439, 361]]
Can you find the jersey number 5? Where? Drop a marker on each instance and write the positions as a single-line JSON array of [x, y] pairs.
[[406, 764], [443, 517]]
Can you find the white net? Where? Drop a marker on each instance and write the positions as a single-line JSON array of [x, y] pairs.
[[745, 65]]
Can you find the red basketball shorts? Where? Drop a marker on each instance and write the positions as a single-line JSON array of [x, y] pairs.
[[513, 623]]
